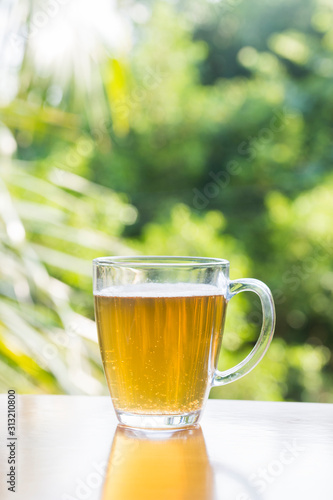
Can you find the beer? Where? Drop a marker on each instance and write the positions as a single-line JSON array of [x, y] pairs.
[[159, 344]]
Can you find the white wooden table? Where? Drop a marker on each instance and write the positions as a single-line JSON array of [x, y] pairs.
[[69, 448]]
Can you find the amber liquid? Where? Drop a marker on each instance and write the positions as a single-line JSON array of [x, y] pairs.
[[174, 467], [159, 345]]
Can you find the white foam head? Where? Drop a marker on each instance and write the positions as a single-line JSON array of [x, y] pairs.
[[160, 290]]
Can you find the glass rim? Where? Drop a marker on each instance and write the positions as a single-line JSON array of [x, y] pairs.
[[159, 261]]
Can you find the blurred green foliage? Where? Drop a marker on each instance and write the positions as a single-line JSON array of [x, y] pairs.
[[209, 134]]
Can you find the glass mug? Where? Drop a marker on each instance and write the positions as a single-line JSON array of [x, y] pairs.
[[160, 323]]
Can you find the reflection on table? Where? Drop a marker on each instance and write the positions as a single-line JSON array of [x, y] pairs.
[[158, 465]]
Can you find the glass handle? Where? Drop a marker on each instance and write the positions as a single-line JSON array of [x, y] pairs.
[[266, 334]]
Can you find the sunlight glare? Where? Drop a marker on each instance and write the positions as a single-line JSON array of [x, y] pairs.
[[67, 43]]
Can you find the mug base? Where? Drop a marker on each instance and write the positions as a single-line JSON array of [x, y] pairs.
[[158, 422]]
